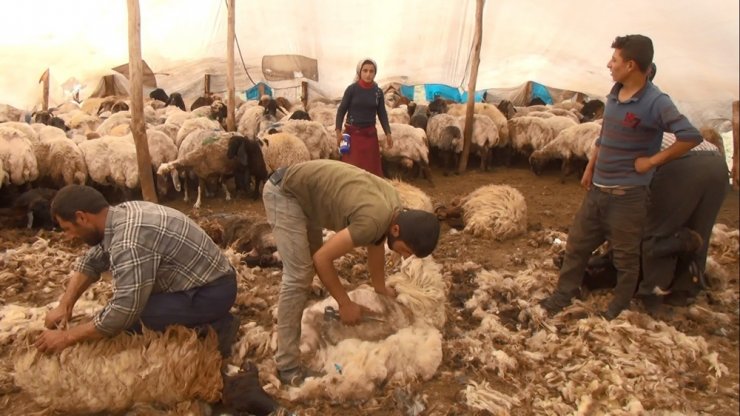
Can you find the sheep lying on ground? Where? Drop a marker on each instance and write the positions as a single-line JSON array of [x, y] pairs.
[[409, 148], [495, 212], [18, 159], [413, 350], [412, 197], [111, 374], [570, 145]]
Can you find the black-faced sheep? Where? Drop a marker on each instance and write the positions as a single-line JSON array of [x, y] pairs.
[[176, 101], [592, 110], [438, 106], [299, 115], [159, 95], [506, 108], [410, 149], [35, 205]]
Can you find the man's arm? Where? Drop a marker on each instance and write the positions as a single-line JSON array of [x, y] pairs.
[[340, 244], [376, 268], [676, 150], [588, 173], [63, 312], [59, 339]]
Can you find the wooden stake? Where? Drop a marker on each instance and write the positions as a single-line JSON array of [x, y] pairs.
[[230, 122], [207, 85], [45, 97], [735, 145], [304, 93], [138, 128], [468, 130]]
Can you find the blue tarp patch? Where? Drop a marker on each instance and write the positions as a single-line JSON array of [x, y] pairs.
[[432, 91], [540, 91], [254, 92]]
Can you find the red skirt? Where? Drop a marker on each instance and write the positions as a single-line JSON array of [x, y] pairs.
[[364, 150]]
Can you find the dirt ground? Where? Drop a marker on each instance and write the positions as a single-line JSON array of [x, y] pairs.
[[551, 206]]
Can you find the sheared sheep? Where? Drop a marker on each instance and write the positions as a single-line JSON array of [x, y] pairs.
[[495, 212], [487, 110], [203, 152], [413, 350], [570, 145]]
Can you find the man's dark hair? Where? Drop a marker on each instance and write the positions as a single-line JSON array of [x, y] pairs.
[[419, 230], [636, 48], [73, 198]]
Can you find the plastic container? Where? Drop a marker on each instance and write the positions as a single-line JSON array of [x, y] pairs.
[[344, 144]]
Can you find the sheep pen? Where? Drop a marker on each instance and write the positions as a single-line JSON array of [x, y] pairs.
[[499, 354]]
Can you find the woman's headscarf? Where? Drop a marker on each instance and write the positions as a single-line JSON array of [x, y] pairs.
[[363, 62]]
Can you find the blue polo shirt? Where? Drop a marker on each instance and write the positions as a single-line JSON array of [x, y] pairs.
[[634, 128]]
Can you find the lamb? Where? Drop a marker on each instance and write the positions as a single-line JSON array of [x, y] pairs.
[[571, 144], [320, 144], [409, 147], [496, 212], [18, 159], [260, 157], [204, 153]]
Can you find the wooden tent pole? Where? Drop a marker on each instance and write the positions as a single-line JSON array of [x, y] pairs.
[[304, 93], [735, 145], [468, 130], [45, 97], [137, 102], [230, 68]]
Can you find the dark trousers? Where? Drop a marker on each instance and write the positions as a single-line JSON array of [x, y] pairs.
[[205, 305], [618, 219], [686, 192]]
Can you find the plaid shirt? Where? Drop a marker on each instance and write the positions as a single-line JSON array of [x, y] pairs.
[[149, 248]]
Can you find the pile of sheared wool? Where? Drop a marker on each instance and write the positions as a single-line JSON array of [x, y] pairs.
[[724, 244], [567, 365], [406, 346], [32, 270], [112, 374]]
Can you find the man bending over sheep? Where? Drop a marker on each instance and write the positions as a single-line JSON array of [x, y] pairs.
[[165, 269], [619, 173], [364, 210]]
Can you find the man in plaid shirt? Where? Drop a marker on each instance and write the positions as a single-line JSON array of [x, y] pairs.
[[165, 269]]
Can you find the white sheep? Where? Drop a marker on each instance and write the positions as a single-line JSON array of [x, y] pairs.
[[572, 144], [25, 128], [398, 115], [203, 152], [4, 178], [320, 144], [495, 212], [121, 117], [412, 197], [326, 114], [60, 162], [111, 161], [253, 121], [16, 153], [487, 110], [176, 116], [485, 136], [409, 147], [529, 134]]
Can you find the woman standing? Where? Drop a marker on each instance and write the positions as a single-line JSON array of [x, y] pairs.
[[362, 100]]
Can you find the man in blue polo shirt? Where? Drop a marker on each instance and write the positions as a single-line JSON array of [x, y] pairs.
[[619, 173]]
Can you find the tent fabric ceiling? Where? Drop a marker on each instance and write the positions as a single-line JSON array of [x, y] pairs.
[[562, 44]]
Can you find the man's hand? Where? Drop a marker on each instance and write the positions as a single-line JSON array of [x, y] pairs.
[[350, 313], [643, 164], [53, 341], [588, 176], [386, 290], [59, 315]]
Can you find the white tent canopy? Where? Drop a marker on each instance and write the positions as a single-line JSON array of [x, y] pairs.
[[563, 44]]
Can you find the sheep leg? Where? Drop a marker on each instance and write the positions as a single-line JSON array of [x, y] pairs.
[[186, 197], [175, 180], [201, 184], [426, 172], [226, 191], [257, 183], [30, 220]]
